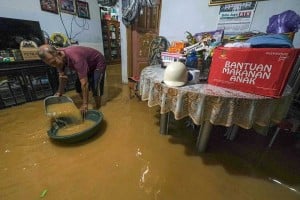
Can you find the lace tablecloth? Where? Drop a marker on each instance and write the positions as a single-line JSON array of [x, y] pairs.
[[205, 102]]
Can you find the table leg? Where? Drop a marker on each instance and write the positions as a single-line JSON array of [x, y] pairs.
[[231, 132], [164, 123], [203, 136]]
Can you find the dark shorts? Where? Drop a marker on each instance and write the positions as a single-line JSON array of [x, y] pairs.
[[96, 83]]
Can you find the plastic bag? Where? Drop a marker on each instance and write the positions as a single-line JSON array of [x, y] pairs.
[[287, 21]]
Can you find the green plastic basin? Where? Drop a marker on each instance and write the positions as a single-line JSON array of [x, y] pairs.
[[93, 115]]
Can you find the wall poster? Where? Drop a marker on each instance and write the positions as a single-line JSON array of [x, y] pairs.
[[236, 18], [220, 2]]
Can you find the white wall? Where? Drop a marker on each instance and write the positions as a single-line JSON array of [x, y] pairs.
[[123, 50], [178, 16], [266, 9], [50, 22]]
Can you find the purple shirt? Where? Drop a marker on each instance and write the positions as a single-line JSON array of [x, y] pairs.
[[84, 60]]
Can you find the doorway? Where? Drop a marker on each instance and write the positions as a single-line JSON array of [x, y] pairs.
[[139, 37]]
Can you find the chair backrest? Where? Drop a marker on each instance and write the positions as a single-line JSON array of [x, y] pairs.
[[158, 44], [294, 79], [294, 84]]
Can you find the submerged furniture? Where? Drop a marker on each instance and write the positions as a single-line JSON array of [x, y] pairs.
[[25, 81], [291, 123], [11, 92], [133, 84], [38, 81], [209, 105]]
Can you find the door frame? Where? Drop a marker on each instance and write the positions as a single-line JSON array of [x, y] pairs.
[[129, 35]]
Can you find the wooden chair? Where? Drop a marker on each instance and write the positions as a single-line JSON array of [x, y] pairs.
[[292, 122], [133, 84]]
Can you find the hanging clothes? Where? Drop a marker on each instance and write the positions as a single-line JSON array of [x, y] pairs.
[[130, 13]]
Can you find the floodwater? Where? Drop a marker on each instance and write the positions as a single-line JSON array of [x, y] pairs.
[[129, 159]]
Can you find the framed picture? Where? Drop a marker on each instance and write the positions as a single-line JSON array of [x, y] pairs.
[[49, 6], [67, 6], [220, 2], [83, 9]]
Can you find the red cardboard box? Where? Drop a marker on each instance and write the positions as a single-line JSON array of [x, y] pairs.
[[262, 71]]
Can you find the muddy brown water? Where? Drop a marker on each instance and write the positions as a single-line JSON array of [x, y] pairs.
[[129, 159]]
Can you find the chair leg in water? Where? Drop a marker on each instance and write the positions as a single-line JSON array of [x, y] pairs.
[[231, 132], [133, 84], [288, 125], [274, 137]]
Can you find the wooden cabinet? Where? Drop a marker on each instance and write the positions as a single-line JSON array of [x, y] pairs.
[[140, 52], [148, 19], [140, 35], [111, 41], [26, 81]]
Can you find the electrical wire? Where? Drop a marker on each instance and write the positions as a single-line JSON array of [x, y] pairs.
[[70, 36], [62, 21], [84, 27], [71, 26]]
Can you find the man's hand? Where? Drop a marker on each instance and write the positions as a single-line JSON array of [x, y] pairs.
[[63, 79], [83, 110], [58, 94]]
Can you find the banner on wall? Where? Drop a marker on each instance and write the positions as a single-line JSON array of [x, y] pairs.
[[261, 71], [236, 18]]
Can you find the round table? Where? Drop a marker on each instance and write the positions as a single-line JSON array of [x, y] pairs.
[[209, 105]]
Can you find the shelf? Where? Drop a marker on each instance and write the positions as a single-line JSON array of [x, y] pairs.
[[111, 41], [26, 81]]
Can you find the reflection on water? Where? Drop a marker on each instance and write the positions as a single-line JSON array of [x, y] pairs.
[[149, 182], [284, 185], [129, 159]]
